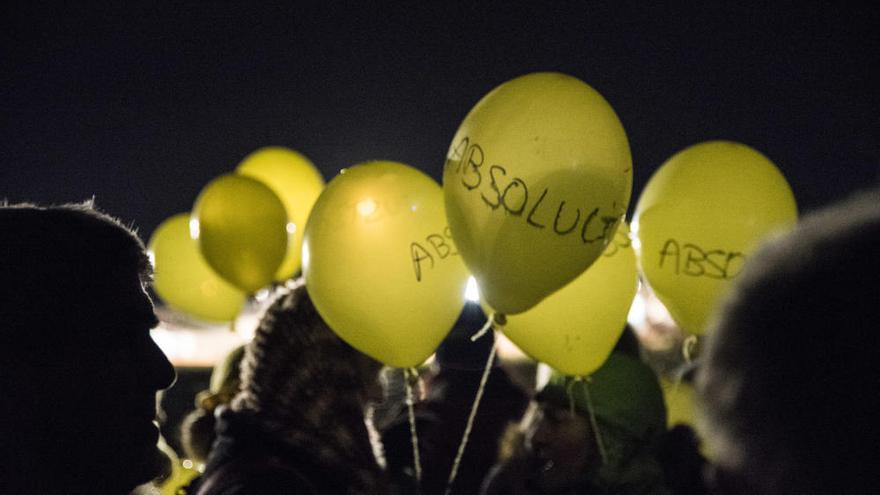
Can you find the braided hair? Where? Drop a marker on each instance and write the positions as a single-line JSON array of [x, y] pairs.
[[309, 387]]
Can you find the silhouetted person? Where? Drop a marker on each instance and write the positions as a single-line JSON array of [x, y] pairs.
[[789, 384], [80, 371], [298, 423]]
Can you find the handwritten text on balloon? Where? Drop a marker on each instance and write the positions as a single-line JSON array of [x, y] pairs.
[[468, 160], [441, 248], [689, 259]]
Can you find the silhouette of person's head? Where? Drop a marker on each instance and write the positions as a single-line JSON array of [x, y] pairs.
[[80, 370], [790, 377]]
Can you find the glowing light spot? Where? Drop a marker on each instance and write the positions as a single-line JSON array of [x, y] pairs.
[[291, 228], [305, 256], [472, 291], [636, 243], [187, 464], [366, 207], [194, 228], [634, 235]]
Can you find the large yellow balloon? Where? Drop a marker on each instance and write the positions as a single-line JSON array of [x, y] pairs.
[[574, 329], [536, 180], [380, 264], [699, 218], [297, 183], [242, 230], [184, 280]]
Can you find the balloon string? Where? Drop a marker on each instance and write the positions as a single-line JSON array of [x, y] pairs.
[[689, 348], [591, 412], [411, 376], [473, 414], [486, 327]]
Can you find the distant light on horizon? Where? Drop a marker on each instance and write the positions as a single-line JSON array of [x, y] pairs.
[[637, 311], [472, 291]]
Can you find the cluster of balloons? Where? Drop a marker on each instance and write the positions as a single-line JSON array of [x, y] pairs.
[[536, 184], [537, 181], [244, 232]]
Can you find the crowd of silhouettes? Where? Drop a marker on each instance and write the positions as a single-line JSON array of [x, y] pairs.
[[786, 383]]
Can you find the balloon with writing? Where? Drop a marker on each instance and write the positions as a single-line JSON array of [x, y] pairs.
[[241, 227], [380, 264], [575, 328], [699, 217], [182, 277], [536, 180], [297, 183]]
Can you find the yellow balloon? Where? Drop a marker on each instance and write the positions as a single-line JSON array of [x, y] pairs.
[[698, 219], [380, 264], [242, 230], [297, 183], [182, 472], [574, 329], [184, 280], [679, 398], [536, 180]]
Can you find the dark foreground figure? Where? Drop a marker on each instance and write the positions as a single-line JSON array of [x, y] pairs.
[[80, 371], [790, 379]]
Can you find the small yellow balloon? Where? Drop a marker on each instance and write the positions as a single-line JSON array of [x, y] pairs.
[[575, 328], [536, 180], [184, 280], [679, 397], [241, 227], [182, 471], [380, 264], [698, 219], [297, 183]]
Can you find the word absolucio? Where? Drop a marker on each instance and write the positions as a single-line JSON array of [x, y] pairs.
[[692, 260], [513, 197]]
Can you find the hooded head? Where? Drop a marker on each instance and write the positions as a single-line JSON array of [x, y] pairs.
[[623, 399]]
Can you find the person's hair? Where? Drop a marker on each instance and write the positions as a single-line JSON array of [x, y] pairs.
[[56, 258], [294, 357], [309, 388], [789, 380]]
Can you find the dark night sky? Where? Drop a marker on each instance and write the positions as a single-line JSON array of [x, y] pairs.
[[141, 104]]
